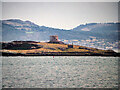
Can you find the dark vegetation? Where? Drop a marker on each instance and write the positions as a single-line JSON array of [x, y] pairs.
[[19, 45]]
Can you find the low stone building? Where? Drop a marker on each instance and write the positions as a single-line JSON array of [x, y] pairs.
[[54, 39]]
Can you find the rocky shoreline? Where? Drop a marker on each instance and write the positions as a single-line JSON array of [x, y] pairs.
[[61, 54]]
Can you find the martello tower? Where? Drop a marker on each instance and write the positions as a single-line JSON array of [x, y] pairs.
[[54, 38]]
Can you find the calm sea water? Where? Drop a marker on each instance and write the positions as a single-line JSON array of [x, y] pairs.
[[60, 72]]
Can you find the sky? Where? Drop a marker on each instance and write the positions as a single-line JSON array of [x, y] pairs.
[[62, 15]]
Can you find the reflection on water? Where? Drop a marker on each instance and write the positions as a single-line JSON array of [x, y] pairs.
[[60, 72]]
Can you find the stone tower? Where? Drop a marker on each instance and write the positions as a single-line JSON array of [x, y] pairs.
[[54, 38]]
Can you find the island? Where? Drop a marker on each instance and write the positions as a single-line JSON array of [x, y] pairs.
[[52, 48]]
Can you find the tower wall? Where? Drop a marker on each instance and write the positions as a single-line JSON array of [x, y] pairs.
[[53, 38]]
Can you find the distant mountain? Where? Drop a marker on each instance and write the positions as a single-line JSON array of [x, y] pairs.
[[15, 29], [101, 30]]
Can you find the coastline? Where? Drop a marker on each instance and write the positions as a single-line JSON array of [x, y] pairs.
[[32, 48], [61, 54]]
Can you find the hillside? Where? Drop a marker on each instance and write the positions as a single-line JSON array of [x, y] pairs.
[[43, 48], [26, 30], [104, 35], [103, 30]]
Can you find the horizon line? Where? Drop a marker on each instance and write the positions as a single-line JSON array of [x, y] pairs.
[[62, 28]]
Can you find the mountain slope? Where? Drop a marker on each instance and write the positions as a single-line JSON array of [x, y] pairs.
[[26, 30], [92, 34], [101, 30], [15, 29]]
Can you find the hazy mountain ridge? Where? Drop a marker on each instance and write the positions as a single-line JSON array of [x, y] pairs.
[[102, 35], [92, 26], [101, 30], [26, 30], [15, 29]]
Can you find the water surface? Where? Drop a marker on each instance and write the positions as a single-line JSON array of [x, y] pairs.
[[60, 72]]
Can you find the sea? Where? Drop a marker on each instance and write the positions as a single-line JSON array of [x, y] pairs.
[[60, 72]]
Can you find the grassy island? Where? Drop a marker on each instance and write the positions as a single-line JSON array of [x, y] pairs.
[[32, 48]]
